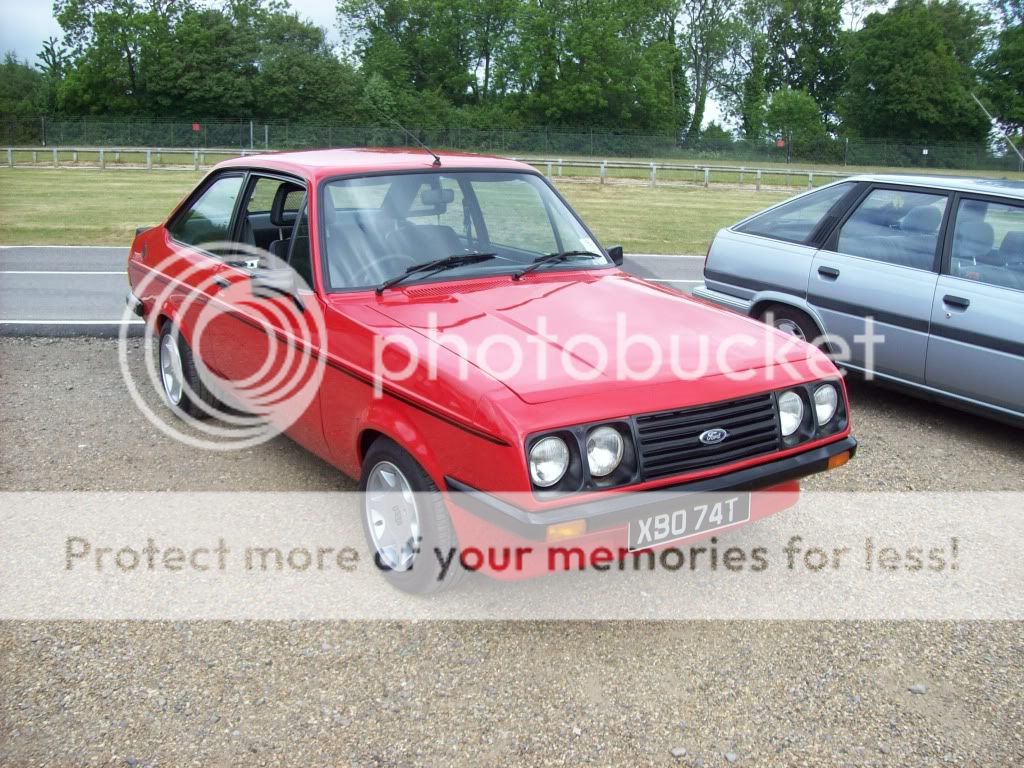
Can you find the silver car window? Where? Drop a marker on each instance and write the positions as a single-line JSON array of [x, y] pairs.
[[795, 220], [988, 243], [895, 226]]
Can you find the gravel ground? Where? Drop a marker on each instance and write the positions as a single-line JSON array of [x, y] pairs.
[[431, 693]]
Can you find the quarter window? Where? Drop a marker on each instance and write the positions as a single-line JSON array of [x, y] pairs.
[[796, 220], [896, 227], [988, 243], [208, 220]]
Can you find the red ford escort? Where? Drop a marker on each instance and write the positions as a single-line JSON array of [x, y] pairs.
[[447, 330]]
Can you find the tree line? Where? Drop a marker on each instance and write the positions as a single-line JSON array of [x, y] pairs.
[[800, 70]]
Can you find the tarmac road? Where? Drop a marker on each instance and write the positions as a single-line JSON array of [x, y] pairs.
[[80, 290]]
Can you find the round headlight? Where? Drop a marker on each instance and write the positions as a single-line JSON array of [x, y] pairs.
[[549, 459], [604, 451], [791, 412], [826, 402]]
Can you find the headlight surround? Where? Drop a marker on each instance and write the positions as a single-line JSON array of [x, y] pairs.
[[605, 448], [826, 403], [791, 412], [549, 460]]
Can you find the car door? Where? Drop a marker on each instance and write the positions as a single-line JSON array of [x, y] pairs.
[[976, 349], [198, 237], [876, 276], [269, 340]]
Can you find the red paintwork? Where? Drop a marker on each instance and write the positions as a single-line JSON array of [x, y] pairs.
[[444, 433]]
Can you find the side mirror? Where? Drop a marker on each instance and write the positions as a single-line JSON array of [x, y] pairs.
[[272, 283], [616, 253]]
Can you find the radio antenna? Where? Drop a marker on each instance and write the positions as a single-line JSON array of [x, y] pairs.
[[410, 134]]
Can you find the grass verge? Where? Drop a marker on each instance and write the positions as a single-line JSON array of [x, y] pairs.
[[40, 206]]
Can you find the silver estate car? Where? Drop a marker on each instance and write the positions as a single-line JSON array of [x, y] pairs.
[[935, 265]]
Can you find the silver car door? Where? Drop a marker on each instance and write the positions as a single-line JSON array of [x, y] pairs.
[[976, 348], [876, 276]]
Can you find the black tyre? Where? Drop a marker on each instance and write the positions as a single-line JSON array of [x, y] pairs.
[[405, 522], [792, 321], [183, 387]]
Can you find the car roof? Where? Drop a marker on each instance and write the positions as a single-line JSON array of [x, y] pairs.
[[323, 163], [1006, 187]]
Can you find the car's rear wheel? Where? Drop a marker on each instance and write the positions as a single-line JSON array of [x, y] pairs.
[[183, 387], [792, 321], [405, 522]]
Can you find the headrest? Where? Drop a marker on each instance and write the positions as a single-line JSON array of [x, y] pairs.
[[1012, 248], [922, 220], [286, 204], [974, 240]]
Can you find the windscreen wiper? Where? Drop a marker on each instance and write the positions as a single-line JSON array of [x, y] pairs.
[[437, 265], [555, 258]]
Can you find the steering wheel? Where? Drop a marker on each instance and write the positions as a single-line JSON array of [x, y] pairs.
[[370, 273]]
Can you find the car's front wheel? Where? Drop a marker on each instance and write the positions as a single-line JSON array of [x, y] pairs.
[[405, 522]]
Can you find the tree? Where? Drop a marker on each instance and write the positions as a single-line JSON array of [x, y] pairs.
[[1002, 76], [705, 40], [794, 116], [22, 88], [804, 50], [908, 80]]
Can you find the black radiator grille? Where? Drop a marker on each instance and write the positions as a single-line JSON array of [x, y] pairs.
[[669, 443]]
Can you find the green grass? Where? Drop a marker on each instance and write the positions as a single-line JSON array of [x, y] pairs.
[[40, 206], [85, 207]]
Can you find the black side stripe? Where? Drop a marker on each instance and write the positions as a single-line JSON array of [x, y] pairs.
[[979, 340], [859, 310], [746, 282]]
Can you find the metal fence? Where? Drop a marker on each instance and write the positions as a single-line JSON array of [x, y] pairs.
[[570, 170], [824, 153]]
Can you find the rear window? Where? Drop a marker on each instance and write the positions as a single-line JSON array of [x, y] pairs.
[[796, 220]]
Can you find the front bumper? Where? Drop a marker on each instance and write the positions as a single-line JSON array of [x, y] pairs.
[[618, 509], [722, 299]]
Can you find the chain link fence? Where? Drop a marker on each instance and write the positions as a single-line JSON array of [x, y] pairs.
[[547, 142]]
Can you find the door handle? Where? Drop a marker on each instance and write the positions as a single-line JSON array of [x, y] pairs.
[[222, 282], [956, 301], [829, 273]]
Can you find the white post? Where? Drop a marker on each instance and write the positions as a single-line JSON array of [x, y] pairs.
[[117, 155], [707, 178], [103, 160], [549, 169], [559, 166], [35, 156], [654, 175], [604, 171], [10, 157], [74, 156], [810, 180], [149, 160], [195, 159], [759, 181], [54, 157]]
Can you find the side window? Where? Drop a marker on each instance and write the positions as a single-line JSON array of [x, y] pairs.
[[208, 220], [263, 225], [515, 215], [988, 243], [796, 220], [896, 227]]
